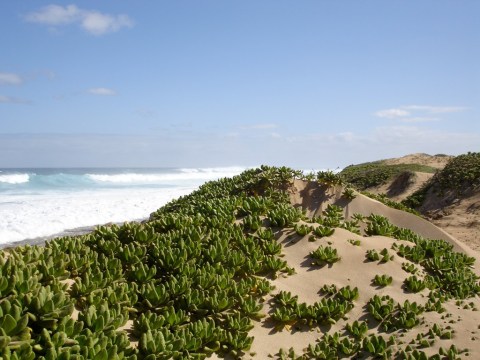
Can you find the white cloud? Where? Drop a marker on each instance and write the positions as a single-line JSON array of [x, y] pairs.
[[259, 126], [401, 139], [392, 113], [275, 135], [406, 136], [231, 135], [435, 109], [98, 24], [12, 100], [325, 138], [419, 119], [55, 15], [347, 136], [92, 21], [10, 79], [102, 91], [307, 151], [418, 113]]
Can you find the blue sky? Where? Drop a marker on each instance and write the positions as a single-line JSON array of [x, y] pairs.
[[308, 84]]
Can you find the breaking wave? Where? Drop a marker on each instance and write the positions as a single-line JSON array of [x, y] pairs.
[[14, 178], [43, 202]]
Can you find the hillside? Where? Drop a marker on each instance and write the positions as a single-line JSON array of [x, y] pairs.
[[268, 264], [449, 199], [397, 177]]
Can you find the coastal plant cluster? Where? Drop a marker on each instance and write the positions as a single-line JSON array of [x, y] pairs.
[[288, 312], [368, 175], [390, 203], [459, 176], [186, 283], [364, 176], [448, 276], [191, 281], [336, 346], [448, 272]]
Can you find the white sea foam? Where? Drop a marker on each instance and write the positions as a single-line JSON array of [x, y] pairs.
[[153, 178], [14, 178], [44, 202], [28, 217]]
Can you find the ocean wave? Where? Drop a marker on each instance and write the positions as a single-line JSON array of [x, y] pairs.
[[215, 170], [53, 200], [14, 178], [128, 178], [183, 174]]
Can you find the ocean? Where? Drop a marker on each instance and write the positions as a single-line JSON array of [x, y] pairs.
[[39, 203]]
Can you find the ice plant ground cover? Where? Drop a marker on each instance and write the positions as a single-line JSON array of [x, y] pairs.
[[196, 279]]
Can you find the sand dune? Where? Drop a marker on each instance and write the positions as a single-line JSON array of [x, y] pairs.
[[353, 269], [401, 188], [436, 161], [458, 216]]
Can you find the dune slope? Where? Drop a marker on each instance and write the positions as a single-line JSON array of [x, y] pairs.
[[355, 270], [453, 205]]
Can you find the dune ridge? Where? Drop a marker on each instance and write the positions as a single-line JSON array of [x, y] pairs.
[[453, 206]]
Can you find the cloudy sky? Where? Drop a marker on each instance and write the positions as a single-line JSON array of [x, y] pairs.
[[308, 84]]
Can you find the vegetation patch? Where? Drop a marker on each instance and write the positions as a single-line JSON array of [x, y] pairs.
[[392, 315], [324, 255], [191, 281], [368, 175], [383, 256], [288, 312], [390, 203], [459, 176], [382, 280]]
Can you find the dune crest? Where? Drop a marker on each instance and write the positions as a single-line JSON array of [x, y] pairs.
[[453, 206], [314, 199]]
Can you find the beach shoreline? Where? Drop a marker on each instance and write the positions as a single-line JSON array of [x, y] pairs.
[[83, 230]]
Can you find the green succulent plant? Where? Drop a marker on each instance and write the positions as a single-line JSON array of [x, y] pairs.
[[349, 193], [358, 329], [379, 225], [302, 229], [378, 346], [323, 231], [394, 316], [382, 280], [352, 226], [415, 284], [354, 242], [324, 255], [321, 350], [409, 267], [332, 216], [329, 178], [383, 256]]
